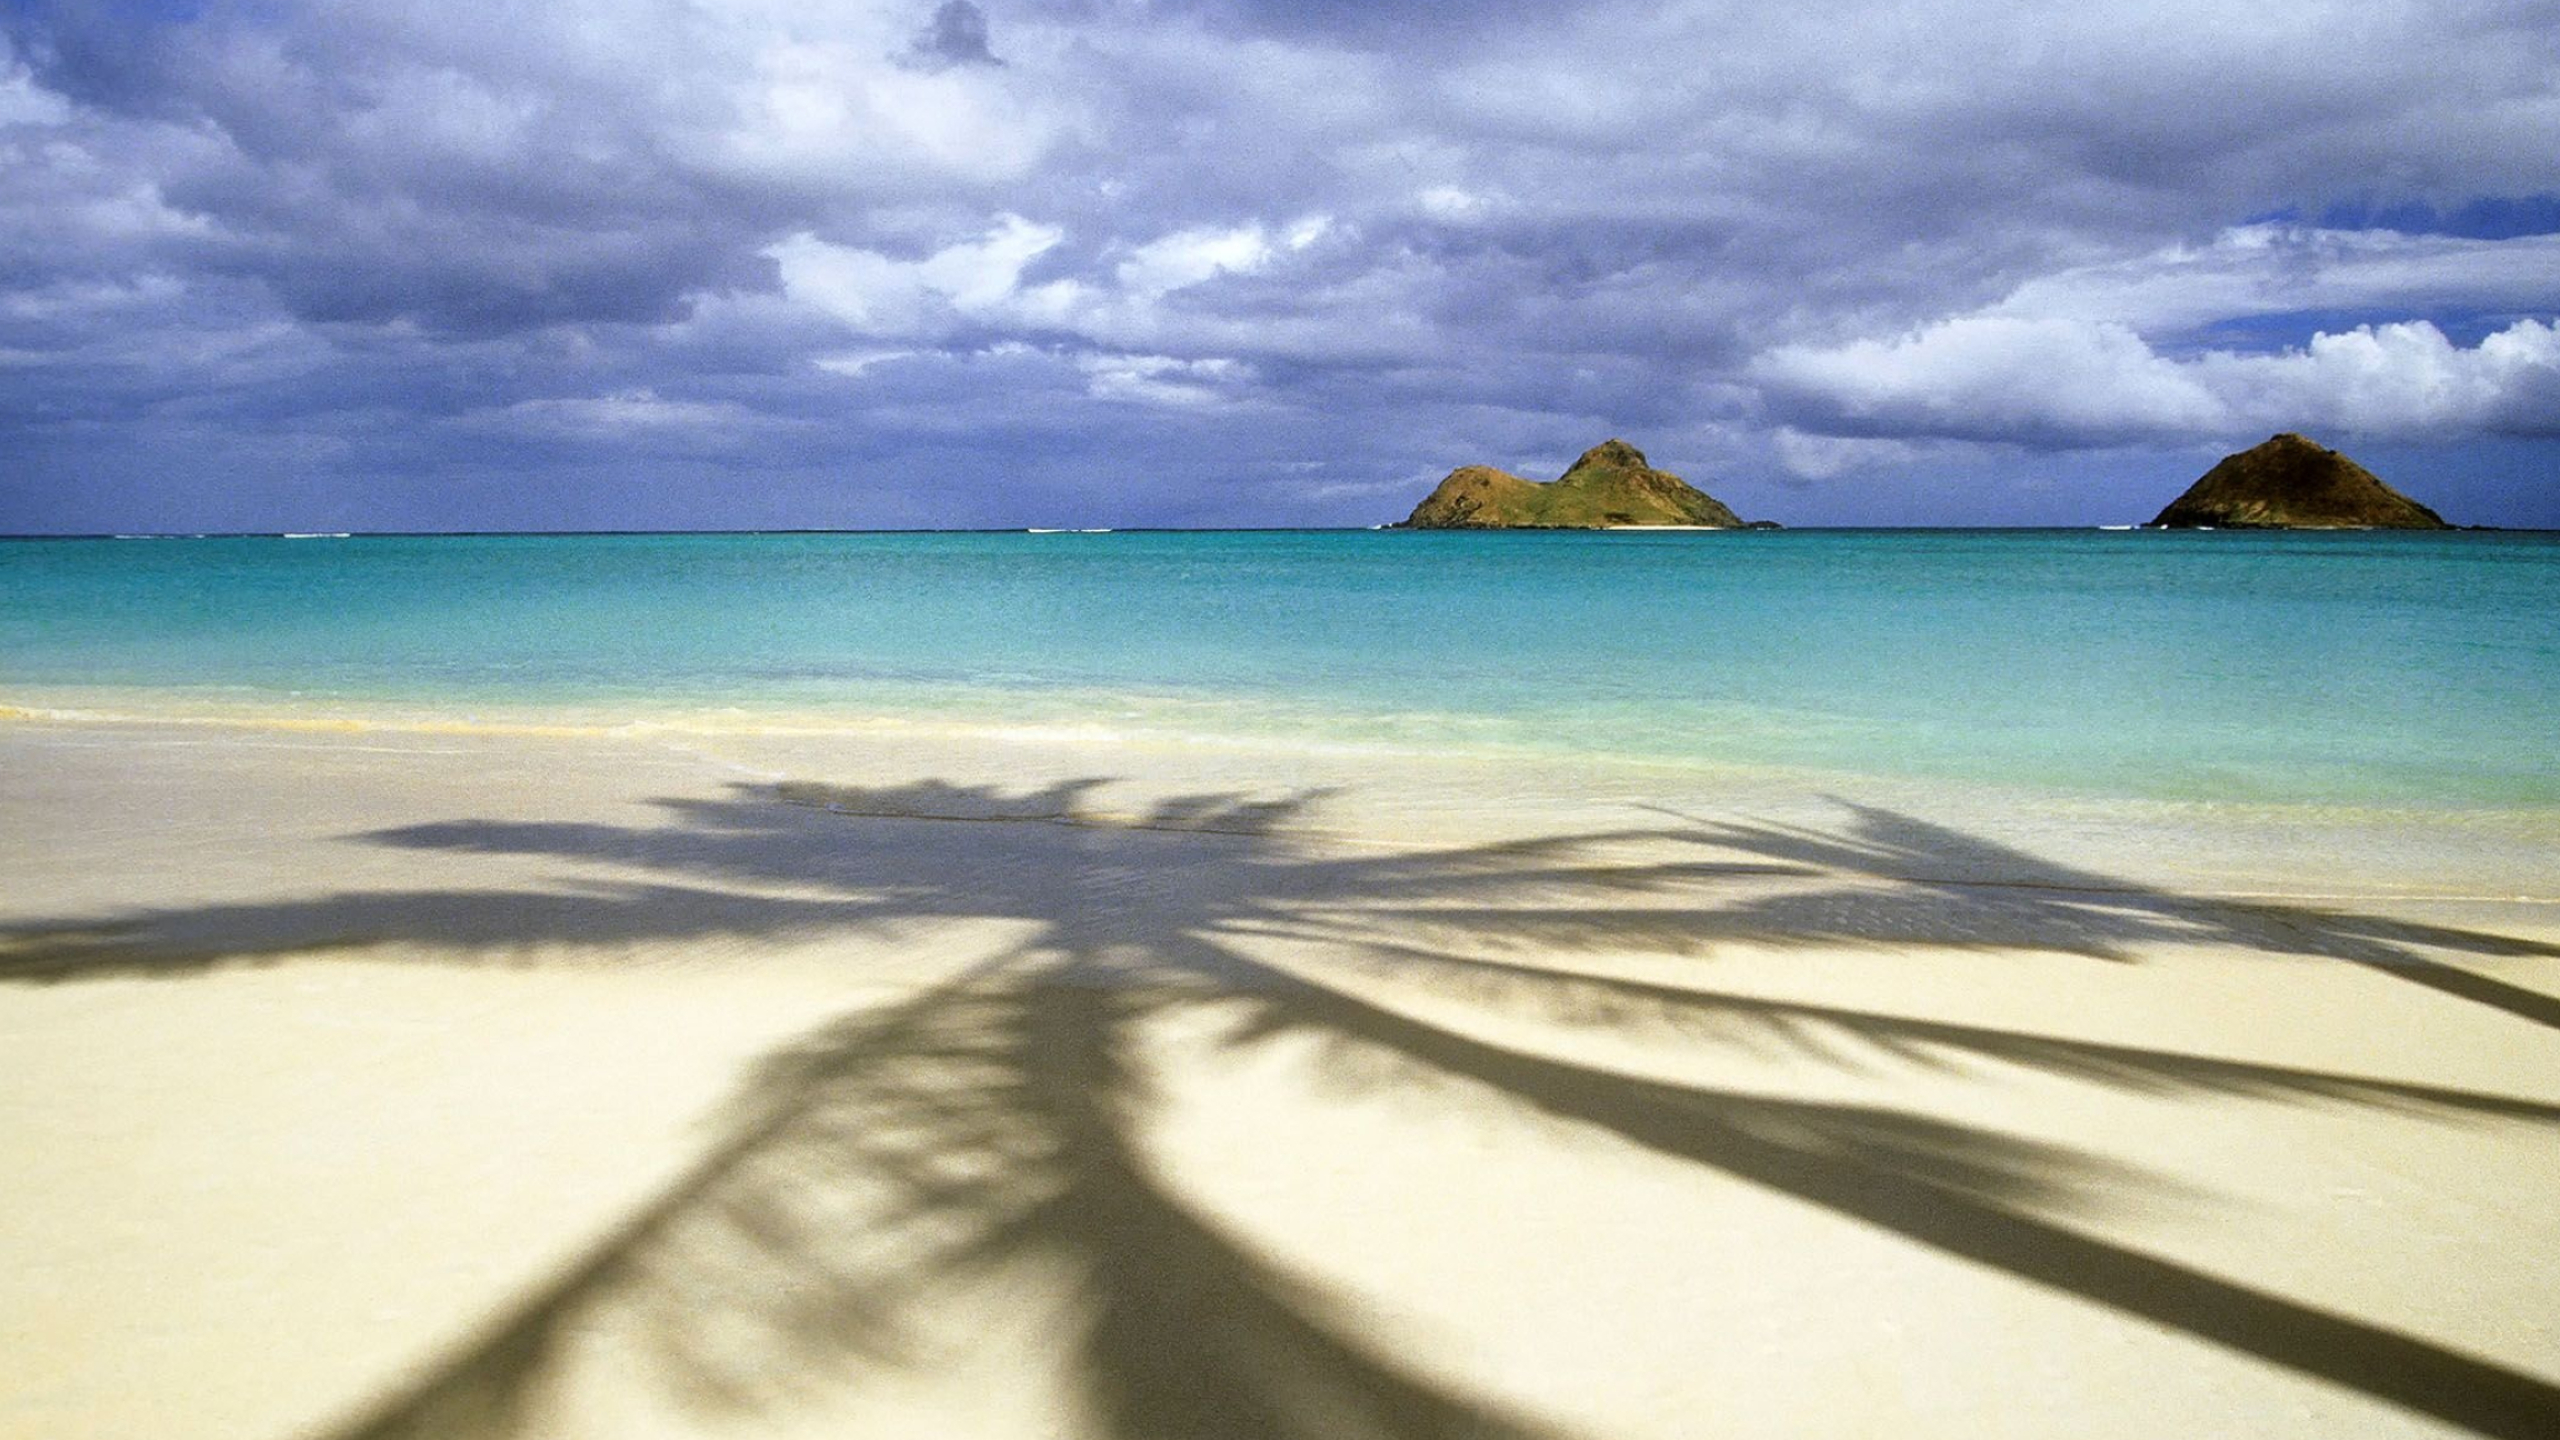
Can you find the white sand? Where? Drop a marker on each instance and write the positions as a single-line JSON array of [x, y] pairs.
[[396, 1083]]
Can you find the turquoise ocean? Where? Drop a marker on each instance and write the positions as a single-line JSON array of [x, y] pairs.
[[2350, 668]]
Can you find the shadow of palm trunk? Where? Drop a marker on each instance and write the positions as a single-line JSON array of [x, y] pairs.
[[990, 1128], [1191, 1333]]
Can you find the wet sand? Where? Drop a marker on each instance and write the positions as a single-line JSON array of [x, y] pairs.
[[401, 1083]]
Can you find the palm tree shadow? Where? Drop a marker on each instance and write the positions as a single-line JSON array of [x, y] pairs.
[[1948, 887], [993, 1127]]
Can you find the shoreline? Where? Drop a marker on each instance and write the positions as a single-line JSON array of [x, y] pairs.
[[2449, 850], [335, 1068], [1151, 723]]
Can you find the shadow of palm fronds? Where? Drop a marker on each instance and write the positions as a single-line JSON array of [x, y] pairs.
[[1911, 878], [987, 1136]]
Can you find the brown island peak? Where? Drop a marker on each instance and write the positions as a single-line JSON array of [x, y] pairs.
[[2290, 483], [1611, 485]]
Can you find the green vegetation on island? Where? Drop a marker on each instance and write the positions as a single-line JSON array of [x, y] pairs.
[[2290, 483], [1610, 485]]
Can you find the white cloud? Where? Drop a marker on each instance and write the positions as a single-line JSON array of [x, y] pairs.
[[1125, 311], [1993, 375], [2403, 378], [22, 101], [1457, 205], [879, 295], [2089, 354], [852, 363], [844, 114], [1162, 380], [1191, 257], [1999, 377]]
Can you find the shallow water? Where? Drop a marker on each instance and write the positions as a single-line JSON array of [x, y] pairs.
[[2311, 668]]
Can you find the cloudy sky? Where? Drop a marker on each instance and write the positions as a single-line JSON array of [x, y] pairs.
[[370, 264]]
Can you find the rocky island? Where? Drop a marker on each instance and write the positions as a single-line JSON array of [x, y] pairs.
[[2290, 483], [1610, 485]]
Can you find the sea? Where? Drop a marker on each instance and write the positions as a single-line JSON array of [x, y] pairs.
[[2351, 668]]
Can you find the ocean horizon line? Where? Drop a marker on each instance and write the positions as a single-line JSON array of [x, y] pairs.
[[1782, 529]]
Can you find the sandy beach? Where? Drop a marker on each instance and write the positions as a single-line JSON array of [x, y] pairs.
[[1279, 720], [406, 1082]]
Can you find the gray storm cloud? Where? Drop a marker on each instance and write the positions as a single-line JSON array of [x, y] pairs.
[[1223, 261], [956, 35]]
